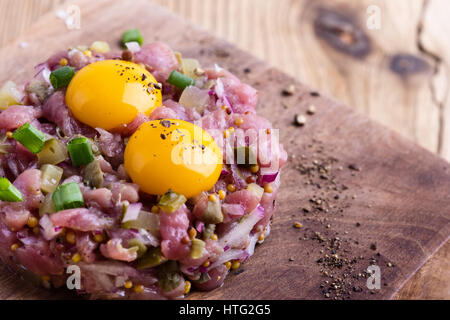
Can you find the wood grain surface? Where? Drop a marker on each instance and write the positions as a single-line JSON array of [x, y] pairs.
[[409, 95]]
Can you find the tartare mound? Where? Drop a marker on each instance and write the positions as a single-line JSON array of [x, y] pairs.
[[128, 244]]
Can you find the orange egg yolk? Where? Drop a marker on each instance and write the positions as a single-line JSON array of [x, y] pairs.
[[174, 155], [109, 94]]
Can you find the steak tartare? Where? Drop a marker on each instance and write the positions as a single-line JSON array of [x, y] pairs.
[[73, 192]]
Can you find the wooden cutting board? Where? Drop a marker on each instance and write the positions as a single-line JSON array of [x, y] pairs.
[[363, 194]]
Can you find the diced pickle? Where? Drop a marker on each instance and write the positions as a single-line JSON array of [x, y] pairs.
[[197, 248], [152, 258], [188, 66], [245, 156], [168, 276], [171, 201], [50, 177], [213, 213], [39, 88], [146, 220], [93, 175], [203, 278], [47, 206], [9, 95], [208, 231], [141, 248], [54, 152]]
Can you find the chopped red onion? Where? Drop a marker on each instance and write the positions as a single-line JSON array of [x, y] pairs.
[[269, 177], [132, 212], [236, 235], [199, 226], [49, 231]]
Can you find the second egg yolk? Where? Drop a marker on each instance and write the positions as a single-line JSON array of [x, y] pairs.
[[109, 94], [174, 155]]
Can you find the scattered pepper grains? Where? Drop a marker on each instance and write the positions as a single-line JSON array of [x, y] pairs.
[[261, 237], [214, 237], [71, 237], [289, 90], [235, 264], [212, 197], [228, 264], [9, 135], [226, 133], [300, 120], [128, 284], [14, 247], [187, 287], [297, 225], [231, 129], [311, 110]]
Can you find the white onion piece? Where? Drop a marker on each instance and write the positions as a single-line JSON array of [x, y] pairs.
[[193, 97], [132, 212], [133, 46], [49, 231], [232, 254], [234, 236]]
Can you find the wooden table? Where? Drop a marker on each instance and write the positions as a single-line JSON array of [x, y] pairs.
[[397, 73]]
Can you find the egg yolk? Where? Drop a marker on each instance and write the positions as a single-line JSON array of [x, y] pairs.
[[110, 93], [174, 155]]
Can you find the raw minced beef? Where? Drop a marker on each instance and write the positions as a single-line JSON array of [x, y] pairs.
[[94, 233]]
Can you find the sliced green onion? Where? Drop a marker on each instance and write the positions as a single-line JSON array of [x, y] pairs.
[[180, 80], [197, 248], [132, 35], [152, 258], [67, 196], [80, 151], [53, 152], [50, 177], [171, 201], [47, 206], [8, 192], [93, 175], [30, 137], [61, 77]]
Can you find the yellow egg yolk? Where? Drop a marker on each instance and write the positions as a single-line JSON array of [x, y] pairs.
[[174, 155], [109, 94]]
